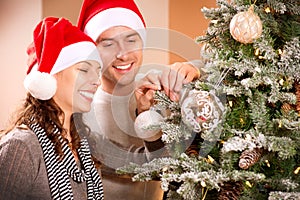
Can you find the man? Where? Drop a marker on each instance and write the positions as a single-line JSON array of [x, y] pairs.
[[119, 30]]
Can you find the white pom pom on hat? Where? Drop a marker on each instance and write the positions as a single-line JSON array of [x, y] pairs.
[[97, 16], [57, 45]]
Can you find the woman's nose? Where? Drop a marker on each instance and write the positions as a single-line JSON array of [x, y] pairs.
[[97, 82]]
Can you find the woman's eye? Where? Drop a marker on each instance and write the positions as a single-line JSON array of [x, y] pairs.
[[84, 70]]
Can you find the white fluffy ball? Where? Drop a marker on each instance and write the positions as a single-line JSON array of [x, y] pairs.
[[40, 85]]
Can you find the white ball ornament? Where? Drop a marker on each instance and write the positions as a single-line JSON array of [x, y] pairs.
[[146, 125], [201, 110], [246, 26]]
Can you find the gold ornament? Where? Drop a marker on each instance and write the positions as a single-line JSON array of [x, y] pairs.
[[246, 26]]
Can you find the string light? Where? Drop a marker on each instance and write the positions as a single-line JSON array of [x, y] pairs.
[[268, 163], [242, 121], [297, 170], [256, 52], [203, 184], [248, 184], [267, 10], [280, 124], [210, 159], [281, 81], [222, 141]]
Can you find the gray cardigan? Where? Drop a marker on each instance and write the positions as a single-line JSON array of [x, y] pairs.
[[22, 169]]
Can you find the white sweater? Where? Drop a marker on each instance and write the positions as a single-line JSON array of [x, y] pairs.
[[115, 144]]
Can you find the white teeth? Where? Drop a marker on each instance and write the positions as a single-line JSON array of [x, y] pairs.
[[123, 66], [87, 94]]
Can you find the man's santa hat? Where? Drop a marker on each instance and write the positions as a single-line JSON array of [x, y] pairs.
[[57, 45], [96, 16]]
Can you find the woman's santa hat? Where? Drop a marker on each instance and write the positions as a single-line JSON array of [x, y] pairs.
[[57, 45], [96, 16]]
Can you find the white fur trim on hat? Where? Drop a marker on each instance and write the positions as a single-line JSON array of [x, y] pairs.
[[75, 53], [40, 85], [114, 17]]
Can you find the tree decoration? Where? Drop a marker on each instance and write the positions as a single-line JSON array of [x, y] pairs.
[[201, 110], [297, 170], [231, 191], [147, 125], [192, 150], [297, 92], [286, 108], [246, 26], [249, 158]]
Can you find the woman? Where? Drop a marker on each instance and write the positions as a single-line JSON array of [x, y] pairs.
[[45, 154]]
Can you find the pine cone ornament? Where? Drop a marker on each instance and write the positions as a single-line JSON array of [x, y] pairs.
[[250, 157], [193, 150], [246, 26], [297, 93], [286, 108], [231, 191]]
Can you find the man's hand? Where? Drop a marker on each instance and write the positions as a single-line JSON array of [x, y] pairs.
[[170, 80], [175, 76], [145, 89]]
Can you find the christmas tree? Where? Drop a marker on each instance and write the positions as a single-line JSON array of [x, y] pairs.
[[236, 134]]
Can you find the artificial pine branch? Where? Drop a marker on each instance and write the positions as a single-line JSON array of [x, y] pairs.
[[284, 195]]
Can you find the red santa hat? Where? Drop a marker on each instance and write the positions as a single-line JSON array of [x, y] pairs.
[[96, 16], [57, 45]]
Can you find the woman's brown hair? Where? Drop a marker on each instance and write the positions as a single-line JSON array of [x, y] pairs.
[[49, 116]]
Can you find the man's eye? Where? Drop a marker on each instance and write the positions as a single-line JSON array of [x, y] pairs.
[[106, 44], [131, 39]]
